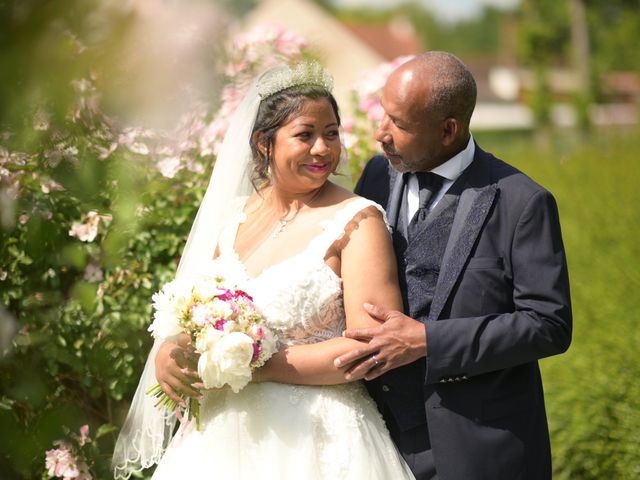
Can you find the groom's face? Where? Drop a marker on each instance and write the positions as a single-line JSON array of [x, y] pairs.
[[408, 133]]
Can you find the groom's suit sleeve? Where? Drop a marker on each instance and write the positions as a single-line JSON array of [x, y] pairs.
[[532, 320]]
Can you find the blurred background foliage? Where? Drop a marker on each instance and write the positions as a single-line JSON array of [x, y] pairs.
[[105, 153]]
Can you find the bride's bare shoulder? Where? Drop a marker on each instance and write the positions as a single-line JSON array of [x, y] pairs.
[[337, 195]]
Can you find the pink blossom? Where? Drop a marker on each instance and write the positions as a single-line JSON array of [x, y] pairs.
[[194, 166], [257, 332], [242, 294], [131, 138], [289, 43], [257, 350], [226, 295], [93, 273], [169, 166], [104, 153], [370, 84], [62, 463], [201, 314], [84, 433], [375, 112], [87, 232], [49, 186], [350, 140], [347, 124], [232, 69]]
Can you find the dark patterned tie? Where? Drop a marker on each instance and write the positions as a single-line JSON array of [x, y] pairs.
[[429, 183]]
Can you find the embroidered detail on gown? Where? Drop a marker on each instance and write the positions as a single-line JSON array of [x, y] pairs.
[[281, 431]]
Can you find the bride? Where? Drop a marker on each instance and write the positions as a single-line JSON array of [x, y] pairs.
[[310, 253]]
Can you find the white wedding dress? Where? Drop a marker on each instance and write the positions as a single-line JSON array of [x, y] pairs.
[[281, 431]]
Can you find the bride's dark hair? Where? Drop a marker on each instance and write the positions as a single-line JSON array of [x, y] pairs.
[[275, 111]]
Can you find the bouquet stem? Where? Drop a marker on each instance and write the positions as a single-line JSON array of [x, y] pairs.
[[164, 401]]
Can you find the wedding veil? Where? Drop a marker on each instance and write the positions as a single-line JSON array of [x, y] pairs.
[[147, 430]]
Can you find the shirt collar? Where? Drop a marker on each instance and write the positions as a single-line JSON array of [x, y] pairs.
[[453, 168]]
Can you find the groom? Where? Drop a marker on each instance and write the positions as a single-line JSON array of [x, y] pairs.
[[484, 280]]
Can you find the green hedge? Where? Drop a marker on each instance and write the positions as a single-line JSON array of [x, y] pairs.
[[592, 391]]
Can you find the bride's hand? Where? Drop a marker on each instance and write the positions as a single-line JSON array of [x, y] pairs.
[[176, 370]]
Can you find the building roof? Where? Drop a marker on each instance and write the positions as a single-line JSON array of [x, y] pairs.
[[395, 39]]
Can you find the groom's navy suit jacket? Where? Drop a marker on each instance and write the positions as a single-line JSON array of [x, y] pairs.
[[501, 302]]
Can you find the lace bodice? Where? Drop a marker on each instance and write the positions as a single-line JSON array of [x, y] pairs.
[[300, 297]]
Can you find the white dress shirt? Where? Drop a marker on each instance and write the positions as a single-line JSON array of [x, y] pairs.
[[449, 170]]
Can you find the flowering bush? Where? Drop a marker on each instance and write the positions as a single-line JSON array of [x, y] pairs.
[[249, 54], [367, 114], [93, 216], [66, 461]]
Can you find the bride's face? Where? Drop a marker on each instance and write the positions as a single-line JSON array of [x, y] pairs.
[[306, 149]]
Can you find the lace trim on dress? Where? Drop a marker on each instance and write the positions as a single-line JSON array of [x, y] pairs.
[[335, 228]]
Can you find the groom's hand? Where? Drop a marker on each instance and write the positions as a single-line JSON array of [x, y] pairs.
[[399, 340]]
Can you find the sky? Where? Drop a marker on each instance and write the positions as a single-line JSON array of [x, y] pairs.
[[445, 10]]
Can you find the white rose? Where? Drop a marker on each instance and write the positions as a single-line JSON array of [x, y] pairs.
[[208, 339], [209, 370], [236, 352], [230, 326], [228, 362]]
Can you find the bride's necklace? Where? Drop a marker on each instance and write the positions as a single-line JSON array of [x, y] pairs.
[[283, 221]]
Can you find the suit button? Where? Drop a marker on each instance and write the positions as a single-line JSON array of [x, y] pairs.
[[385, 388], [464, 377], [443, 380], [457, 379]]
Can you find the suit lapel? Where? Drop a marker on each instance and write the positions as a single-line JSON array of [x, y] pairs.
[[396, 188], [473, 207]]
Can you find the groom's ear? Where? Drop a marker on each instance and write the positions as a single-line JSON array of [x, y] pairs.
[[450, 131]]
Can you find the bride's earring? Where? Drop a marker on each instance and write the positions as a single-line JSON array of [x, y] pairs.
[[267, 166]]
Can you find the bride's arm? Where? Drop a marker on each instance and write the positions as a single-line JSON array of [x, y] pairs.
[[368, 272]]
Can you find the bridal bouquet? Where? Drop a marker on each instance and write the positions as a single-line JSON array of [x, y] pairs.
[[224, 326]]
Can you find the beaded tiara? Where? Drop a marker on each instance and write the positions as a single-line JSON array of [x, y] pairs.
[[285, 76]]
